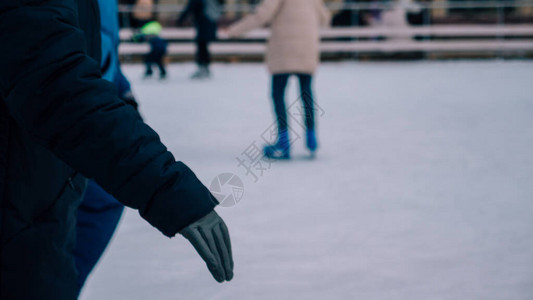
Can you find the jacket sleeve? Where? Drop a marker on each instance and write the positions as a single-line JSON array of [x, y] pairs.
[[265, 12], [53, 90], [323, 13]]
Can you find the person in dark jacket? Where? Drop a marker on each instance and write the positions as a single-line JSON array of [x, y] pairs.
[[205, 14], [60, 123]]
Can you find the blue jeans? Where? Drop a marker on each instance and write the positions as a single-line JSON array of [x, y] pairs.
[[98, 217], [279, 84]]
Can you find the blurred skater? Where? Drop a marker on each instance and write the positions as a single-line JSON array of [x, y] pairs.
[[292, 50], [142, 13], [158, 48], [206, 14]]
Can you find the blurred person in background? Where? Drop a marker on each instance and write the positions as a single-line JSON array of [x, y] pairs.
[[396, 21], [99, 212], [347, 16], [61, 123], [142, 13], [293, 49], [158, 48], [373, 17], [206, 14]]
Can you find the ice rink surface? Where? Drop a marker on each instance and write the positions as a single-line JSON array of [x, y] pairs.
[[422, 188]]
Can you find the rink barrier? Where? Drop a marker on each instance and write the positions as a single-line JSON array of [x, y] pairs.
[[350, 40]]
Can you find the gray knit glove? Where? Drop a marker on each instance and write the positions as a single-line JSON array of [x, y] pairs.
[[210, 238]]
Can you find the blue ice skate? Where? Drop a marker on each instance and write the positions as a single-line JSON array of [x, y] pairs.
[[311, 142], [281, 149]]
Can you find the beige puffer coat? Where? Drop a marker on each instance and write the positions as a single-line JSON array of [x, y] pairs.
[[294, 40]]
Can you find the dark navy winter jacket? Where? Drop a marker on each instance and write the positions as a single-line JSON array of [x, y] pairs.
[[60, 123]]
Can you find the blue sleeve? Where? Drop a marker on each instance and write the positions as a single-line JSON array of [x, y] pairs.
[[110, 38]]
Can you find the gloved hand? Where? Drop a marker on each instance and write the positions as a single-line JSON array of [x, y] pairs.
[[210, 238]]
